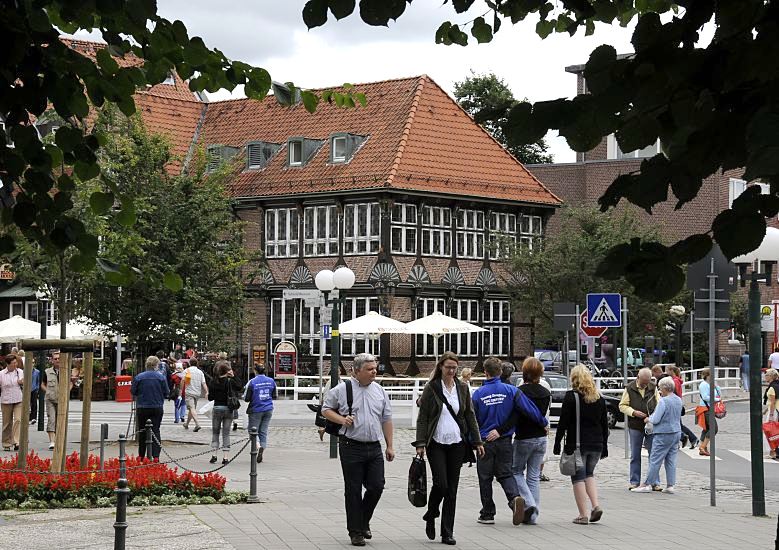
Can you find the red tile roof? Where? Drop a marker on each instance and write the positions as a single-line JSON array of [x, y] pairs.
[[419, 139], [175, 119]]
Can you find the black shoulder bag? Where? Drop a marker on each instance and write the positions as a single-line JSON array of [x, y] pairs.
[[331, 427], [469, 455], [233, 403]]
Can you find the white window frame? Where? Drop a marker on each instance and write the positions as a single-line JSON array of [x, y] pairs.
[[470, 234], [736, 186], [613, 152], [11, 307], [465, 345], [403, 226], [427, 346], [339, 158], [315, 244], [531, 230], [436, 235], [289, 244], [497, 339], [358, 242], [27, 307], [503, 234], [293, 146]]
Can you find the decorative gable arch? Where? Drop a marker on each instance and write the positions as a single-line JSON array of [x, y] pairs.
[[301, 276], [486, 278], [453, 277], [419, 276]]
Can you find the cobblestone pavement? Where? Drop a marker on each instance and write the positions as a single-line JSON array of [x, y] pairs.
[[302, 507]]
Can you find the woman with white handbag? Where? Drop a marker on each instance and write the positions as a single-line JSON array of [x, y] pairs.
[[584, 427]]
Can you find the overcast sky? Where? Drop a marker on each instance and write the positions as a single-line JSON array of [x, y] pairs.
[[271, 34]]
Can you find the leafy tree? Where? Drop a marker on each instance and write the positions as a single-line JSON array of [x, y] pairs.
[[713, 108], [38, 72], [480, 93], [564, 268]]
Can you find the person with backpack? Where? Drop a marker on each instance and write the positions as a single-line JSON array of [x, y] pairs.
[[362, 408], [445, 421], [224, 392]]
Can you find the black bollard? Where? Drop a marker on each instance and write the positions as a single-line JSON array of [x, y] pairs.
[[148, 439], [253, 498], [103, 437], [122, 495]]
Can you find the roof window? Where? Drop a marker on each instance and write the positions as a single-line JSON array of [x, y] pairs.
[[343, 146], [259, 153], [216, 155], [300, 150]]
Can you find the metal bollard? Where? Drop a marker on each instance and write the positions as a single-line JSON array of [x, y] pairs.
[[103, 437], [149, 436], [253, 498], [122, 495]]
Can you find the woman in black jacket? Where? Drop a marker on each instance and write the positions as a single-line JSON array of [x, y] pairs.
[[594, 435], [445, 436], [223, 386]]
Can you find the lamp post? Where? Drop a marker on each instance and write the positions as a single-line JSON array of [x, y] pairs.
[[678, 312], [326, 281]]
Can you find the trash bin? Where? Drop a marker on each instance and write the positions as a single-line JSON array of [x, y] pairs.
[[123, 384]]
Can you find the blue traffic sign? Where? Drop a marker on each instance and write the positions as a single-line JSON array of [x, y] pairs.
[[604, 310], [326, 332]]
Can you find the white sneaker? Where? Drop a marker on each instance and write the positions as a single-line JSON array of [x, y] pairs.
[[670, 490], [51, 446], [642, 489]]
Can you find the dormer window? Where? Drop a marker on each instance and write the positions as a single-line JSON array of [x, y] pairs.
[[300, 150], [295, 152], [343, 147], [218, 154], [259, 153]]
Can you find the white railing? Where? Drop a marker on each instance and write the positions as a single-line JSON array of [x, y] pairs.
[[406, 391]]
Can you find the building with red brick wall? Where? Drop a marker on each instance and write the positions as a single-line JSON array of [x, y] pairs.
[[407, 191]]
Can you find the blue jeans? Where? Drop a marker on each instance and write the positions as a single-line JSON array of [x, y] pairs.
[[529, 455], [261, 421], [180, 409], [665, 449], [638, 439]]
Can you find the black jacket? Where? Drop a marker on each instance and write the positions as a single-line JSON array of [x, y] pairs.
[[594, 425], [219, 390]]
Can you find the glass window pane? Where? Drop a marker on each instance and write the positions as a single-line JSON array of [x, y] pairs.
[[375, 219], [425, 241], [362, 220], [333, 222], [270, 218], [479, 245], [289, 317], [321, 222], [276, 317], [437, 216], [293, 224], [362, 246], [525, 224], [447, 217], [308, 222], [411, 213], [426, 215], [397, 239], [293, 249], [397, 213], [282, 224], [447, 243], [411, 240]]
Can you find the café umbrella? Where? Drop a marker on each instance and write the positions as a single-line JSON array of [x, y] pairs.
[[372, 325], [437, 324], [18, 328]]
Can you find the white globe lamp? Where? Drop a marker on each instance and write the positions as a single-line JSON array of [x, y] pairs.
[[325, 280], [344, 278]]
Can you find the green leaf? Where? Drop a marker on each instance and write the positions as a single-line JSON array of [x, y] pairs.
[[341, 8], [86, 170], [101, 203], [762, 163], [7, 244], [55, 154], [127, 215], [82, 263], [378, 12], [67, 138], [173, 281], [691, 249], [457, 36], [315, 13], [360, 97], [310, 100], [481, 31], [598, 69], [461, 6], [106, 61], [738, 233], [442, 34]]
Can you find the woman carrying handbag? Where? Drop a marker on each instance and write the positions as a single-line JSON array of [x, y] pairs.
[[446, 430], [585, 428]]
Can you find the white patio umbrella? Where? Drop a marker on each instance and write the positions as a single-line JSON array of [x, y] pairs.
[[437, 324], [372, 323], [18, 328], [76, 329]]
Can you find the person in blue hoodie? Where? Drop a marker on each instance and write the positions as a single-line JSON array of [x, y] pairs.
[[259, 395], [494, 402]]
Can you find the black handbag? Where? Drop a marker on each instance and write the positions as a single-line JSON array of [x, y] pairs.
[[331, 427], [417, 482], [233, 403]]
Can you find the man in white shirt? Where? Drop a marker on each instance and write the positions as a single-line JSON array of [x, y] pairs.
[[773, 359], [193, 387]]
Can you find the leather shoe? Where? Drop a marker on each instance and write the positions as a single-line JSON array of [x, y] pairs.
[[448, 540], [357, 540], [367, 533], [430, 528]]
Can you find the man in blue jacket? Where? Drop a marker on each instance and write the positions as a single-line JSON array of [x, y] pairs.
[[150, 390], [493, 403], [259, 394]]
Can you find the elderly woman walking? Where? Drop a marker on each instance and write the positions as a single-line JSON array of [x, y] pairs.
[[665, 425], [11, 379]]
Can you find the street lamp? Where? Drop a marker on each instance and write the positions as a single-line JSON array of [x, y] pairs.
[[678, 312], [326, 281]]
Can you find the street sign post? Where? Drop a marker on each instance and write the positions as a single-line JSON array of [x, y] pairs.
[[603, 310]]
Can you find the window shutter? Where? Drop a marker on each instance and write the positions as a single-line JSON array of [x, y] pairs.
[[213, 157]]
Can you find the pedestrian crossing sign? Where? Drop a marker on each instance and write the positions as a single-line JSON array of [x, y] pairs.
[[604, 310]]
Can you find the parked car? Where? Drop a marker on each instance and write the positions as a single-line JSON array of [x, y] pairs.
[[546, 356], [560, 384], [557, 364]]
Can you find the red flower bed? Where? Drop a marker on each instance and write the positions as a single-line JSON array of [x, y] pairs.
[[91, 483]]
